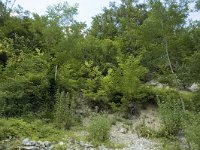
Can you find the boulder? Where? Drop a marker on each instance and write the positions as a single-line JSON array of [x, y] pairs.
[[194, 87], [26, 142], [61, 143], [122, 130], [29, 148], [47, 143]]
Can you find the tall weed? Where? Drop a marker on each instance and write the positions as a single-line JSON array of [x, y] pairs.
[[64, 110], [171, 113], [99, 129]]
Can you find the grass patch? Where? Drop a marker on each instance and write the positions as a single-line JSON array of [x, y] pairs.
[[37, 130], [99, 129], [168, 144]]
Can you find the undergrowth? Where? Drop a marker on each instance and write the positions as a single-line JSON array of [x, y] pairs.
[[37, 130]]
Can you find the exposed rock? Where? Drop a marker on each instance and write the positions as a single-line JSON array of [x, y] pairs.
[[79, 112], [194, 87], [61, 143], [29, 148], [87, 145], [47, 144], [26, 142], [102, 147], [131, 140], [123, 130], [82, 143], [51, 147], [33, 143], [157, 84], [40, 143]]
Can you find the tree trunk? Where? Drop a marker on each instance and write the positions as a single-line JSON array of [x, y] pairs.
[[174, 74], [56, 71]]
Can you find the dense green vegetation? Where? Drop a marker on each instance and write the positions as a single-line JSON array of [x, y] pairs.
[[52, 66]]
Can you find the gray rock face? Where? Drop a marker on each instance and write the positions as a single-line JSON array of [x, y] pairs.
[[194, 87], [102, 147], [47, 144], [123, 130], [26, 142], [61, 143], [30, 148], [33, 145], [131, 140], [88, 145]]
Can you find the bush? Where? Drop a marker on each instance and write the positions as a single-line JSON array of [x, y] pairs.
[[171, 112], [24, 86], [169, 145], [18, 128], [191, 129], [99, 129], [196, 101], [143, 131], [64, 110]]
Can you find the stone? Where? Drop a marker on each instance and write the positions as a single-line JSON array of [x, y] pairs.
[[47, 143], [82, 143], [40, 143], [79, 112], [29, 148], [194, 87], [123, 130], [88, 145], [51, 147], [61, 143], [102, 147], [26, 142], [33, 143]]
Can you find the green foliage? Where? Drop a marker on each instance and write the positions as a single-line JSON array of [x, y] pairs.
[[99, 129], [169, 144], [64, 110], [37, 130], [127, 77], [108, 64], [125, 80], [171, 113], [24, 85], [61, 13], [92, 81], [67, 77], [194, 66], [143, 131], [191, 129], [196, 101]]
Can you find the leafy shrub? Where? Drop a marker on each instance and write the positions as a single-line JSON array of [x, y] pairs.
[[169, 145], [191, 129], [92, 78], [143, 131], [64, 110], [67, 77], [18, 128], [99, 129], [170, 112], [24, 85], [196, 101], [117, 86]]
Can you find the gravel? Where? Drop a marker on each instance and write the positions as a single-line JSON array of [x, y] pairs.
[[131, 140]]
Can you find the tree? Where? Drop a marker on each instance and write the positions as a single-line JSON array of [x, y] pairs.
[[62, 14], [24, 85]]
